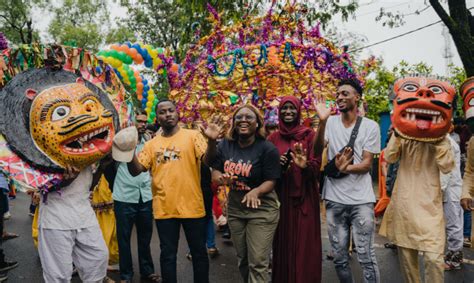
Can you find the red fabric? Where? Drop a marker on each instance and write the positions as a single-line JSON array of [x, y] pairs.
[[216, 207], [297, 253], [296, 130]]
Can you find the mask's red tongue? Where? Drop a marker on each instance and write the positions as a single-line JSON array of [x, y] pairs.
[[423, 124], [102, 145]]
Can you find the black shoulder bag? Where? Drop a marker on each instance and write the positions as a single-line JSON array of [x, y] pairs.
[[330, 169]]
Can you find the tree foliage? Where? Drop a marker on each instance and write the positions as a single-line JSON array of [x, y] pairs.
[[79, 22], [16, 20]]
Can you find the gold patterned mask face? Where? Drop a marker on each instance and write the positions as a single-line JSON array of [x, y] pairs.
[[70, 125]]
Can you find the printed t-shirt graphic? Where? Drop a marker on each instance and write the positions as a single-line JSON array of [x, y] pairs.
[[252, 166], [174, 164]]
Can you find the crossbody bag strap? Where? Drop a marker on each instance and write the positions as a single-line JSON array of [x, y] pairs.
[[355, 132]]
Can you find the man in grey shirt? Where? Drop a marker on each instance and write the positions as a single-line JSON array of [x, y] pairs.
[[350, 199]]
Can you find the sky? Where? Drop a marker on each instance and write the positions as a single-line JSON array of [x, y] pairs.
[[426, 45]]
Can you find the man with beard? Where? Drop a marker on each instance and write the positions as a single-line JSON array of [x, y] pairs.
[[350, 197], [173, 158], [133, 206]]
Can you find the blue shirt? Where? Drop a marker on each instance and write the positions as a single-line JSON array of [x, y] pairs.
[[128, 188], [4, 183]]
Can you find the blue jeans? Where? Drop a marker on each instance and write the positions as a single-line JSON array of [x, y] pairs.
[[341, 218], [211, 233], [195, 232], [467, 224], [141, 215]]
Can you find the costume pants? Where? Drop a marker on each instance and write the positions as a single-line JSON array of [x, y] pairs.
[[253, 238], [59, 249], [340, 219], [195, 232], [141, 215], [434, 266], [454, 217]]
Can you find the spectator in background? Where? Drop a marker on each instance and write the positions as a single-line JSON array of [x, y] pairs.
[[4, 264], [451, 186]]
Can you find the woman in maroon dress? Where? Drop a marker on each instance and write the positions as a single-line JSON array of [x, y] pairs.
[[297, 252]]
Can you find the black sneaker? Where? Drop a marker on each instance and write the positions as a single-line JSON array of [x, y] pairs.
[[3, 277], [7, 265]]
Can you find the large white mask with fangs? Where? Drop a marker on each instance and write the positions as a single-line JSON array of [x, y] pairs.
[[70, 125], [423, 108]]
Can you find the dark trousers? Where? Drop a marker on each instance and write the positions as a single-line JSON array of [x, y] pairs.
[[127, 215], [2, 208], [195, 232]]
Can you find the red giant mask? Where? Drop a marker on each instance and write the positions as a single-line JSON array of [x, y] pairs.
[[423, 108], [467, 92]]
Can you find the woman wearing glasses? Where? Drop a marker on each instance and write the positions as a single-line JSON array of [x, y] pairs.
[[250, 165]]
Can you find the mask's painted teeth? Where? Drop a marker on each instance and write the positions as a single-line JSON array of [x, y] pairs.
[[83, 141], [436, 117]]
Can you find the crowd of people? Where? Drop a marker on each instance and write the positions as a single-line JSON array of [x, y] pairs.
[[272, 173]]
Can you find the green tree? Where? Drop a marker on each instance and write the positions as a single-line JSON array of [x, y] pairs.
[[16, 20], [80, 22]]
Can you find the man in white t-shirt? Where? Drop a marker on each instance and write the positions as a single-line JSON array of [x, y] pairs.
[[350, 199], [69, 232]]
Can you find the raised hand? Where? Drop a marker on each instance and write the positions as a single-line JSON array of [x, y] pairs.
[[71, 173], [322, 111], [344, 159], [215, 128], [299, 156]]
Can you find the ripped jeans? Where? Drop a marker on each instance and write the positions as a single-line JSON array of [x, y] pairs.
[[341, 218]]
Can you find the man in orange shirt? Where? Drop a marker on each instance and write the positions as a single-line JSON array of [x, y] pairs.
[[173, 158]]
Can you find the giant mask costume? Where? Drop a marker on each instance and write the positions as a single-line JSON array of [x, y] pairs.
[[467, 93], [53, 118], [423, 108]]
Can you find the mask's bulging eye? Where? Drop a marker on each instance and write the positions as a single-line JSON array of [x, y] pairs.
[[410, 88], [89, 101], [60, 113], [436, 89]]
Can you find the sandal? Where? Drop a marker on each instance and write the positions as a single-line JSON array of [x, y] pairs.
[[390, 246], [7, 236], [152, 278]]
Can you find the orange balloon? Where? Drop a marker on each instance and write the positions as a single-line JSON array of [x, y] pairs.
[[132, 52], [138, 59], [115, 47]]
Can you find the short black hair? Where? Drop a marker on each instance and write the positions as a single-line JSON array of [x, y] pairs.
[[353, 83], [140, 111], [162, 100]]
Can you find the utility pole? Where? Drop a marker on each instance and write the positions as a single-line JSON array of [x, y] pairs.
[[447, 53]]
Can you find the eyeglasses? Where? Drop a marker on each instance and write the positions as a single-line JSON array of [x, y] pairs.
[[246, 117]]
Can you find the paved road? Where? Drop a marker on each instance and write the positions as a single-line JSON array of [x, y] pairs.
[[222, 269]]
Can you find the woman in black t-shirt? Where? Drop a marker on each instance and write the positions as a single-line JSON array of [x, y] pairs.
[[250, 166]]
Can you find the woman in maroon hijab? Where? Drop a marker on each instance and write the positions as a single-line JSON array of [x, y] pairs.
[[297, 252]]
